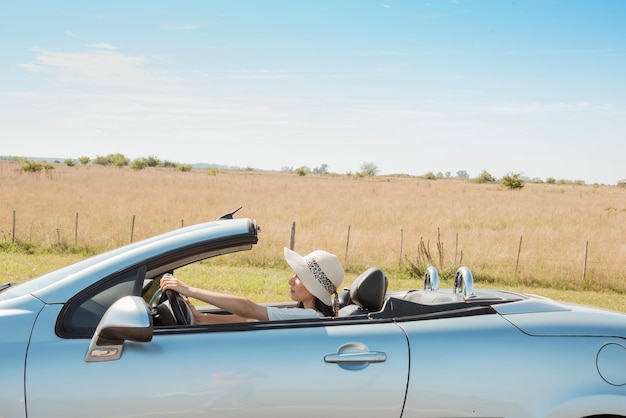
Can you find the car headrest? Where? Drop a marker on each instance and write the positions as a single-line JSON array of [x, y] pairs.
[[369, 289]]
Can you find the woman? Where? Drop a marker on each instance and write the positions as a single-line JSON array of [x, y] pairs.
[[314, 285]]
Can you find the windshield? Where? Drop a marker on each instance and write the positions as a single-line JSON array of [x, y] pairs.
[[47, 279]]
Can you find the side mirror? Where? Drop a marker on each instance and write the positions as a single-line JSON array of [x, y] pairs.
[[127, 319]]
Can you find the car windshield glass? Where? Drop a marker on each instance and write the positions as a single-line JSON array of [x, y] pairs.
[[47, 279]]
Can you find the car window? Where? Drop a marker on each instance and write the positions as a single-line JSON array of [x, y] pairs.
[[83, 314], [151, 290]]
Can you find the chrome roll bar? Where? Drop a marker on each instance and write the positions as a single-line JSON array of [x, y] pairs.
[[464, 282], [431, 279]]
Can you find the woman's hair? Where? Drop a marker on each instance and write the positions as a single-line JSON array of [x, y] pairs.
[[323, 308], [320, 307]]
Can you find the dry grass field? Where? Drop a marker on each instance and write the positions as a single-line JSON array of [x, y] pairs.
[[568, 237]]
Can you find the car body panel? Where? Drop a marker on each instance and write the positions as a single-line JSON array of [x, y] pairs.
[[514, 374], [569, 320], [17, 317], [253, 370]]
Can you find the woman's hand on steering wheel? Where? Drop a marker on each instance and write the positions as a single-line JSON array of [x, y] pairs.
[[179, 307]]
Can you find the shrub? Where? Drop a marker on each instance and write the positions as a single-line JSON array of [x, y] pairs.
[[152, 161], [117, 160], [323, 169], [31, 166], [512, 181], [485, 177], [302, 171], [168, 164], [139, 164], [369, 169]]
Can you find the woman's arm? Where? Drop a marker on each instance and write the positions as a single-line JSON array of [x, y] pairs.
[[209, 318], [237, 305]]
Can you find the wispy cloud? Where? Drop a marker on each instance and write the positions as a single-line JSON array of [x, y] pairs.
[[431, 111], [379, 53], [513, 109], [261, 74], [102, 45], [101, 64], [185, 27]]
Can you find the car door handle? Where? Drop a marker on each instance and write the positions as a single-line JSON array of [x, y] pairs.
[[369, 357], [355, 356]]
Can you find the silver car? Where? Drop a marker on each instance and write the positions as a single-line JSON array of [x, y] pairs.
[[99, 339]]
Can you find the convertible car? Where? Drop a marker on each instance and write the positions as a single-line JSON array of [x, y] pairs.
[[99, 339]]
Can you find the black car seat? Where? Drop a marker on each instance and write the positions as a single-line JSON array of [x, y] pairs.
[[367, 293]]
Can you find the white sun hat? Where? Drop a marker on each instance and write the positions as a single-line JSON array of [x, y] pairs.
[[321, 273]]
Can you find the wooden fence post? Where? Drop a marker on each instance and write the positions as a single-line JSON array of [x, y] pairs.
[[13, 231], [519, 250], [585, 263], [456, 250], [292, 239], [347, 245], [76, 230], [132, 230], [401, 246]]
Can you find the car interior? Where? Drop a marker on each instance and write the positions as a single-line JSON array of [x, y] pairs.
[[367, 298]]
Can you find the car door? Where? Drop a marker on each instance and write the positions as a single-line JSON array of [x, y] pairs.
[[328, 367]]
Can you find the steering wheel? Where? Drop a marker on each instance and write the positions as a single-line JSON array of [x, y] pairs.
[[179, 307]]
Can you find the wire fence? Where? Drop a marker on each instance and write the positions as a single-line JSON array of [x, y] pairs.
[[409, 253]]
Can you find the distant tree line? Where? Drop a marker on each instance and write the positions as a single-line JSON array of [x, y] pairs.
[[114, 160], [513, 181], [120, 160]]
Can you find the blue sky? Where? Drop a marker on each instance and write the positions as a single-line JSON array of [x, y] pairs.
[[530, 87]]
